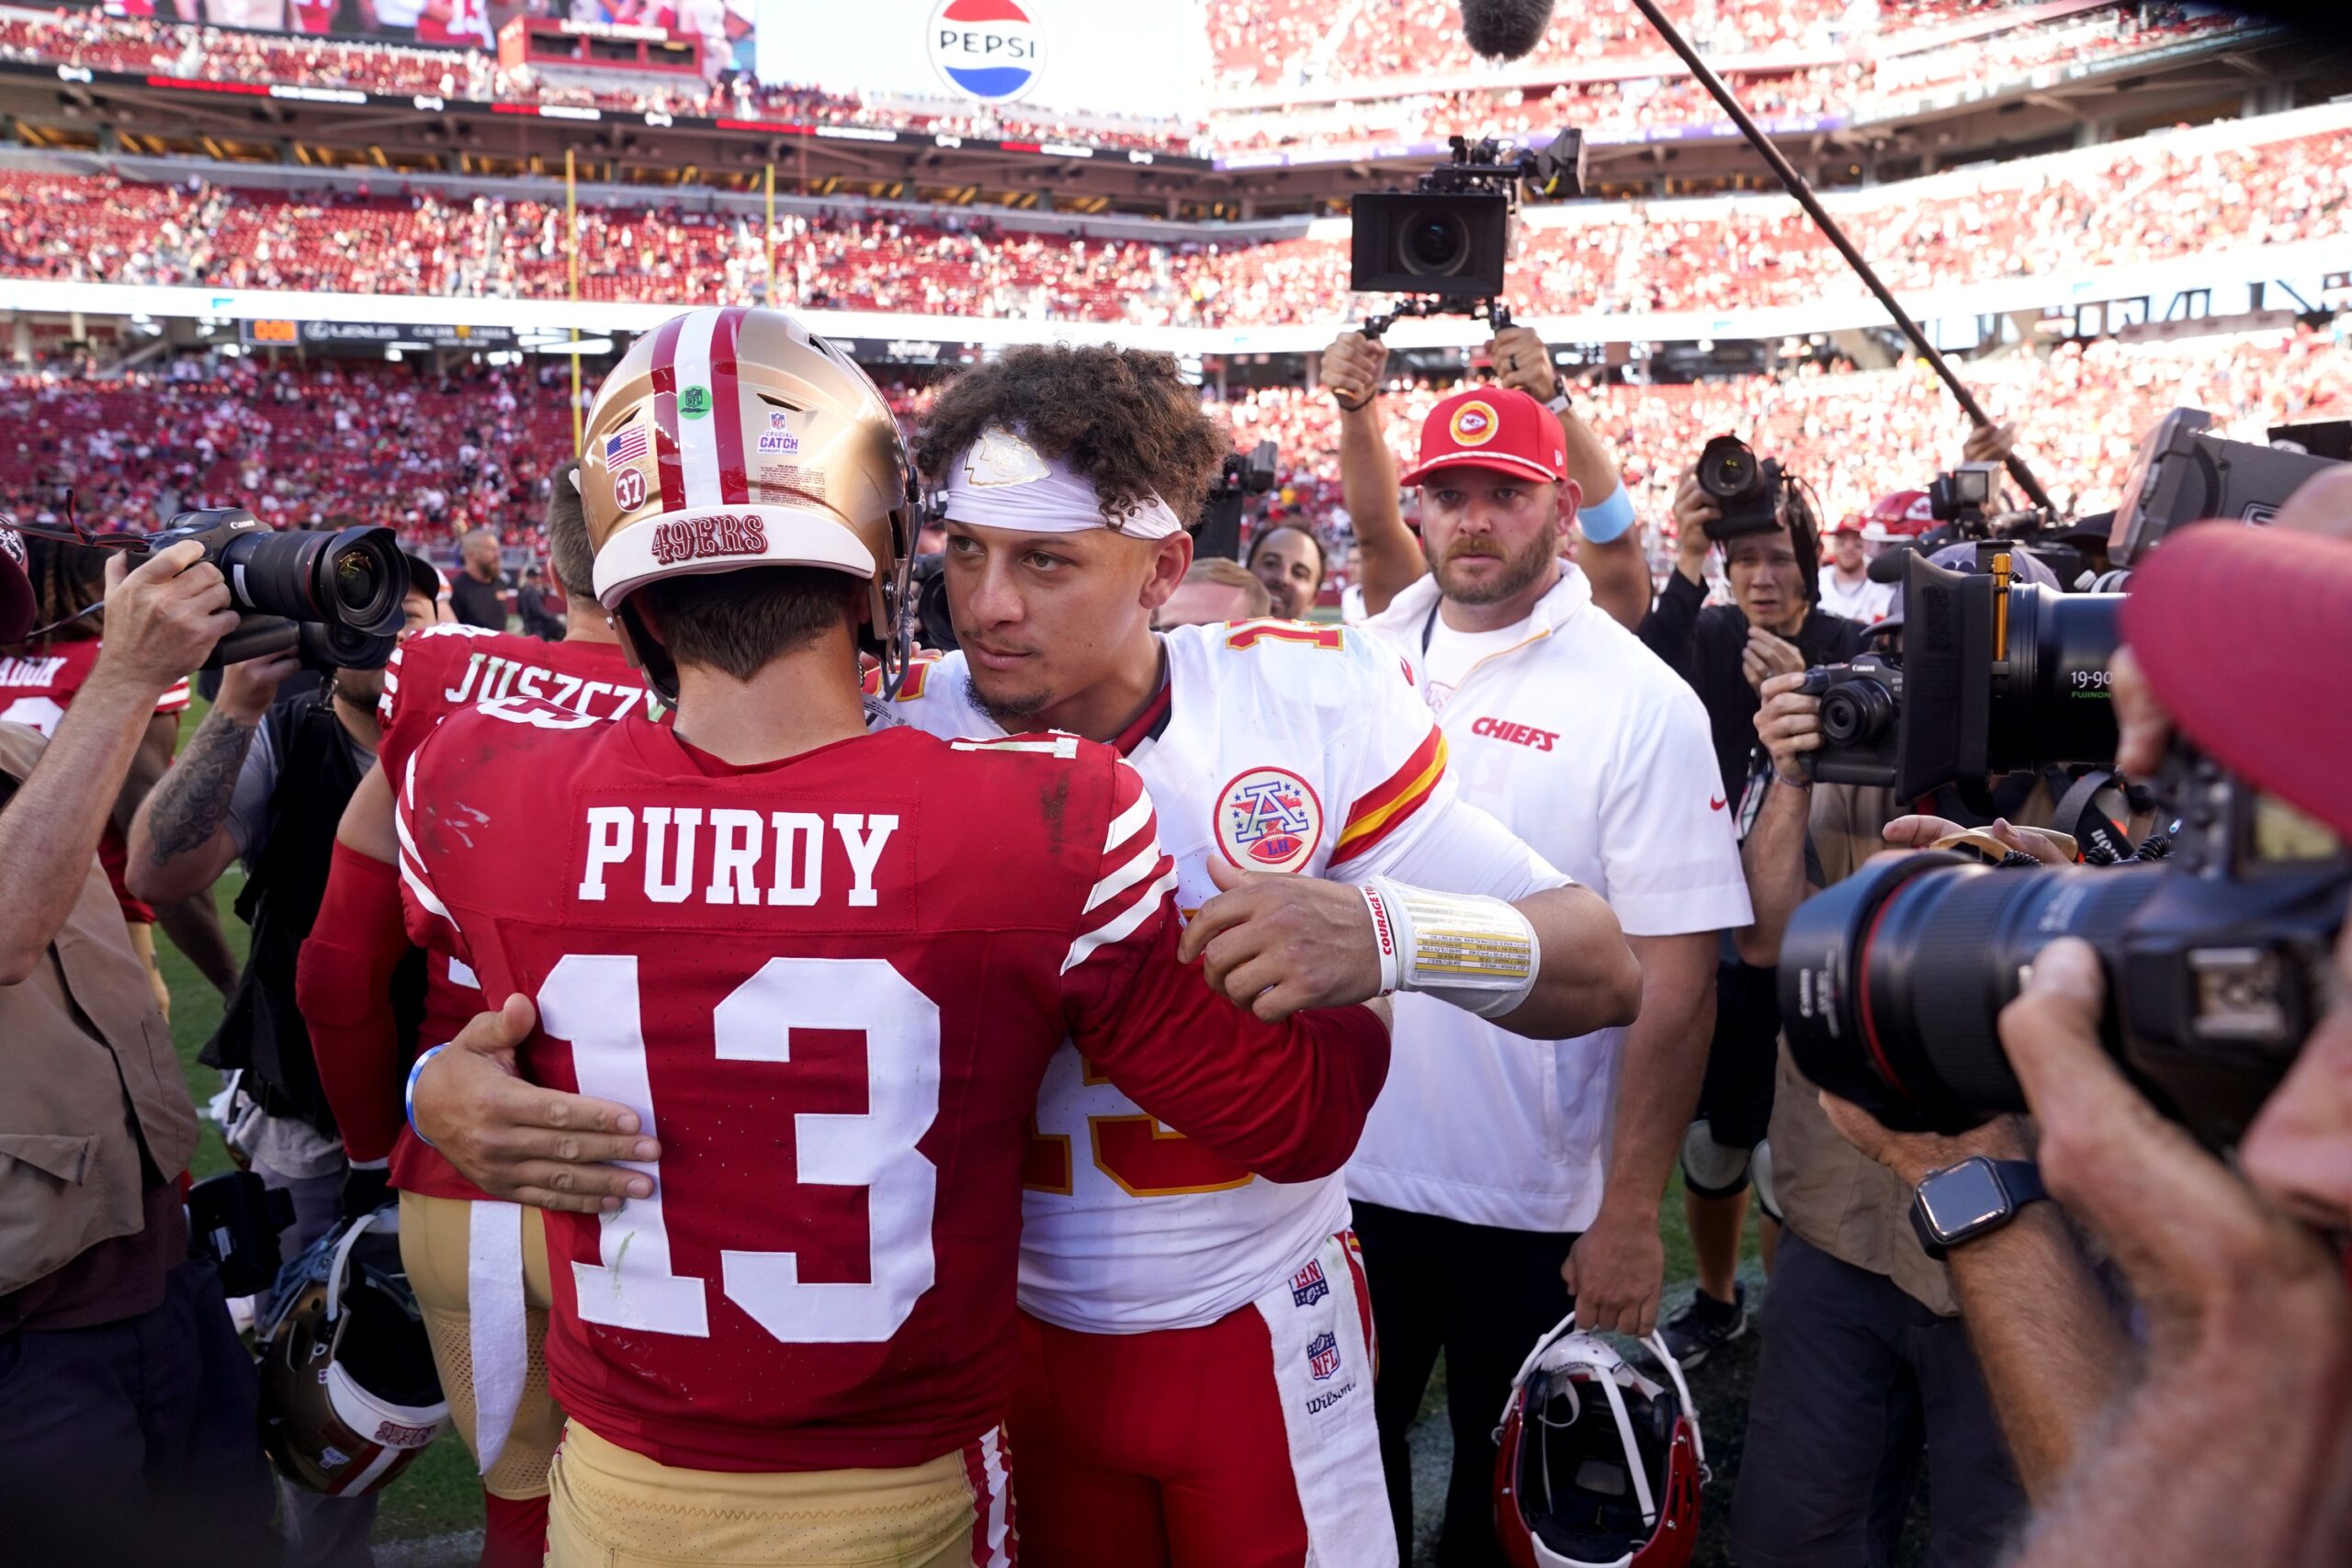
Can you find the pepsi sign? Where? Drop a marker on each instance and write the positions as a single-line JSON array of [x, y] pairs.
[[986, 49]]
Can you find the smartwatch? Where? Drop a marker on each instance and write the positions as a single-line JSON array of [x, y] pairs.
[[1558, 401], [1974, 1198]]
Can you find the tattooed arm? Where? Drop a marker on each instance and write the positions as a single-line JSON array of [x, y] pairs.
[[185, 834]]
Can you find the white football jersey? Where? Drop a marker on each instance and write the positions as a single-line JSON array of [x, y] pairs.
[[1283, 747]]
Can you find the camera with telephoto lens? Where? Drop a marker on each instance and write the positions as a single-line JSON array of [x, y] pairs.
[[2181, 474], [348, 584], [1448, 240], [1994, 677], [2217, 958], [1745, 487], [1217, 531]]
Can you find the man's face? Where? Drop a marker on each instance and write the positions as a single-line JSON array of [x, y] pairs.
[[1290, 566], [1204, 605], [1041, 616], [1489, 534], [1765, 582], [363, 687], [1846, 549], [481, 553]]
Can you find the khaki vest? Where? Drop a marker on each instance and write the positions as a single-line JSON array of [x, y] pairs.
[[90, 1077]]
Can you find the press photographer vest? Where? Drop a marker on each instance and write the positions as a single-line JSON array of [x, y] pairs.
[[262, 1031]]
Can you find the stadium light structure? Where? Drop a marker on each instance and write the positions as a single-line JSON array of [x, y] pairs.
[[1795, 183]]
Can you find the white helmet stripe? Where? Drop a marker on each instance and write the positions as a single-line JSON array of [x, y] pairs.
[[698, 432]]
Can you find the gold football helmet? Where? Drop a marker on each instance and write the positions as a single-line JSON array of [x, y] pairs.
[[737, 437]]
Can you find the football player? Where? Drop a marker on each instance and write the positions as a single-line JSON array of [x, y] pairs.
[[824, 971], [1197, 1376], [1195, 1383], [492, 1365]]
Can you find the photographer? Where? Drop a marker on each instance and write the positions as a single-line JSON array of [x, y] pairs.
[[267, 781], [1388, 558], [2238, 1444], [1773, 626], [127, 1405]]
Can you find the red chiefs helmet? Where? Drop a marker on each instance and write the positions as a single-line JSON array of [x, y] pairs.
[[1600, 1464], [1902, 511], [349, 1396]]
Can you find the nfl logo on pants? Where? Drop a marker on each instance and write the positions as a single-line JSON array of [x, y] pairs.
[[987, 48], [1323, 1355]]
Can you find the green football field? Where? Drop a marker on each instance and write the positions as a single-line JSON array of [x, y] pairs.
[[430, 1518]]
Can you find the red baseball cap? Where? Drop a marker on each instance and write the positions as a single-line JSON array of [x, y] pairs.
[[2245, 634], [1492, 427]]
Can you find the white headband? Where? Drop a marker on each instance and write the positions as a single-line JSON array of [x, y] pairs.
[[1001, 481]]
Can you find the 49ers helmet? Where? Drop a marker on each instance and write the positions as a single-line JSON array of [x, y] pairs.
[[736, 438], [1600, 1465], [349, 1391]]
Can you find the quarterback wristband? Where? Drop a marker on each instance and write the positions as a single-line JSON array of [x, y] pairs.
[[408, 1096], [1476, 952]]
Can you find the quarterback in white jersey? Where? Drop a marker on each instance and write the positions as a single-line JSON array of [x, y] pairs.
[[1277, 747]]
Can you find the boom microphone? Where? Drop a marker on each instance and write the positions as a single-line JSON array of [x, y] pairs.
[[1504, 28]]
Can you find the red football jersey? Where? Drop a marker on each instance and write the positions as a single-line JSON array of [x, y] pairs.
[[36, 691], [433, 675], [830, 986]]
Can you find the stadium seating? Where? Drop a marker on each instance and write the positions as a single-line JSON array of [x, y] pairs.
[[432, 456], [2131, 202]]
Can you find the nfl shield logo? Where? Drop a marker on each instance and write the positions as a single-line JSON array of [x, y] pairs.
[[1323, 1355], [1308, 1286]]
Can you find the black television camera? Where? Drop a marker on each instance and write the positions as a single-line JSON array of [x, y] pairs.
[[1995, 676], [1965, 495], [1746, 489], [334, 598], [934, 629], [2216, 955], [1216, 533], [2183, 475], [1446, 241]]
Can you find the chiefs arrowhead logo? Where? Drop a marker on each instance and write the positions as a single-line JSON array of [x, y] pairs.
[[1473, 424]]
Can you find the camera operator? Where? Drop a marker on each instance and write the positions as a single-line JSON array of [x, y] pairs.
[[1388, 558], [267, 780], [127, 1418], [2236, 1444], [1289, 560]]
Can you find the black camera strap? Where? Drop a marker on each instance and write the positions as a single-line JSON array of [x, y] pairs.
[[2087, 804]]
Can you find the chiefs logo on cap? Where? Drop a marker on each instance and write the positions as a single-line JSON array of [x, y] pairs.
[[1473, 424]]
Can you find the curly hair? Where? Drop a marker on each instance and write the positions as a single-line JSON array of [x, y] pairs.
[[1124, 418]]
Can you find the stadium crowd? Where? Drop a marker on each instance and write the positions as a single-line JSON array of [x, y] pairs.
[[435, 456], [93, 39], [2132, 203], [1879, 85]]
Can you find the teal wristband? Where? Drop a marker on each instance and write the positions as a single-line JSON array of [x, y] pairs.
[[1608, 518], [408, 1097]]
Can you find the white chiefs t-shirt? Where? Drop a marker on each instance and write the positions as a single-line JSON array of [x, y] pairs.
[[1285, 748], [1866, 603], [1589, 747]]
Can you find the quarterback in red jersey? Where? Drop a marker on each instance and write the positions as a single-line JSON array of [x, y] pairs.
[[492, 1362], [779, 942]]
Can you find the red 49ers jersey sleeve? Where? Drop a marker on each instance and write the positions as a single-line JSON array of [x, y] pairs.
[[1286, 1100]]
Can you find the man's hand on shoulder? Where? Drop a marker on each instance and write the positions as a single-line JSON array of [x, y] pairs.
[[517, 1141], [1276, 944]]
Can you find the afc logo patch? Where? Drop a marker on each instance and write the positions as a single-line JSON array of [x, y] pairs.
[[1323, 1355], [1269, 819], [1308, 1286]]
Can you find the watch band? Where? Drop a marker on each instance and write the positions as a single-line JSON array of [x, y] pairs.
[[1558, 402], [2021, 1184]]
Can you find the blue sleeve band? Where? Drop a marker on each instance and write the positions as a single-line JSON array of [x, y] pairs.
[[1605, 520], [408, 1097]]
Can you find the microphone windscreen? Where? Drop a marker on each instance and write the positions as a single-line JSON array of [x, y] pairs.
[[1504, 29]]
